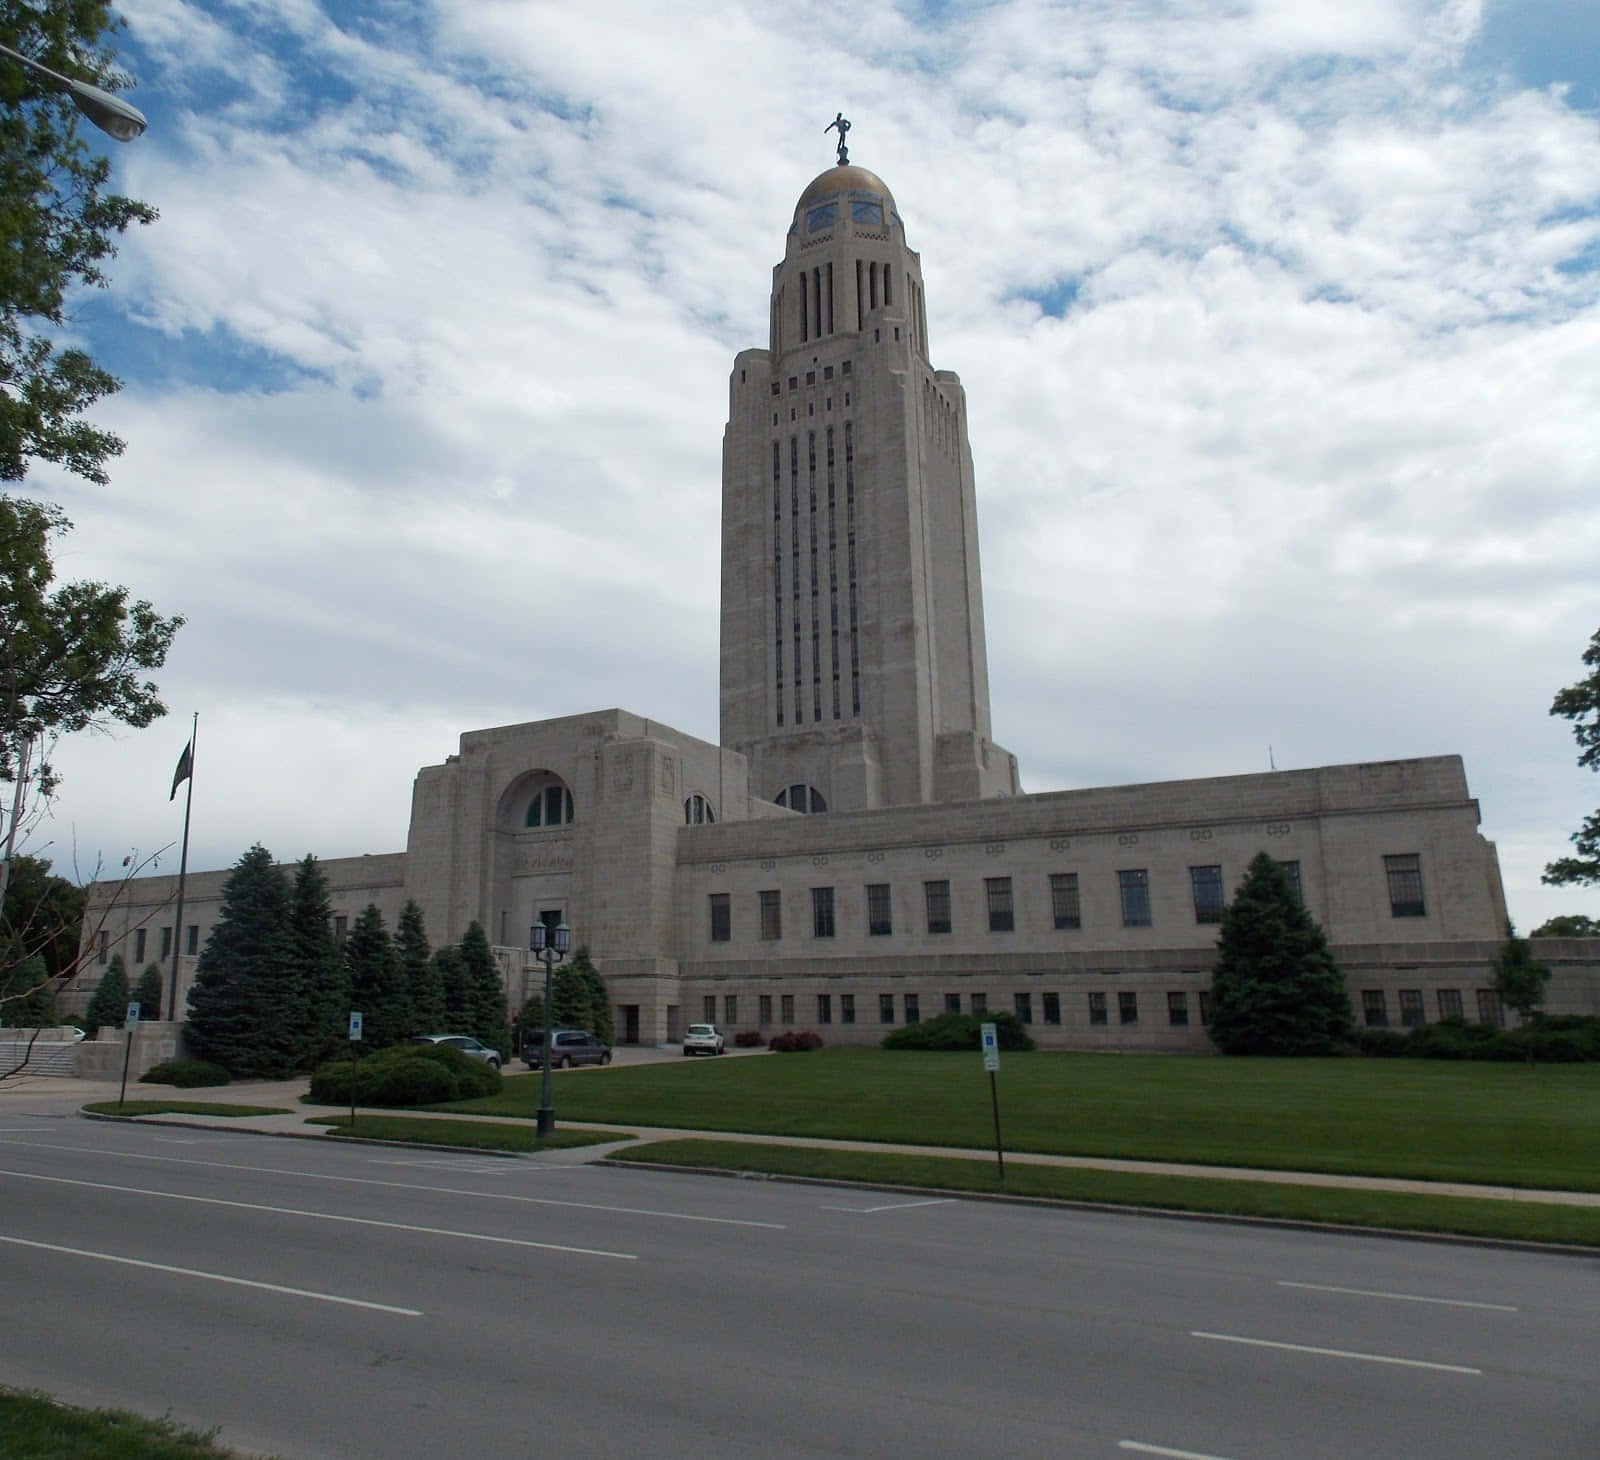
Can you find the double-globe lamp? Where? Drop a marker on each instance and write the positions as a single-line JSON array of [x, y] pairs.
[[549, 946]]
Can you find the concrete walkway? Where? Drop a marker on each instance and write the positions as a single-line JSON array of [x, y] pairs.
[[42, 1096]]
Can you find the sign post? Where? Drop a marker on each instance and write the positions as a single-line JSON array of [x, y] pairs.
[[355, 1053], [131, 1024], [991, 1062]]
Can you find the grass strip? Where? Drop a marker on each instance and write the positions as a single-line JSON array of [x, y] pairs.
[[34, 1426], [472, 1135], [1438, 1120], [1403, 1211], [181, 1107]]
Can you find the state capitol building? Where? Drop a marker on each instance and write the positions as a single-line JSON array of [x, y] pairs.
[[857, 852]]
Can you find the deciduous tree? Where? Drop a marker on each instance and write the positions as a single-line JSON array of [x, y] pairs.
[[1519, 978], [1275, 988], [1580, 703]]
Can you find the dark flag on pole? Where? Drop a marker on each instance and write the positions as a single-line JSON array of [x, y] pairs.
[[185, 769]]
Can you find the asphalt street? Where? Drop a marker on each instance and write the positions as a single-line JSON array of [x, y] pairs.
[[313, 1300]]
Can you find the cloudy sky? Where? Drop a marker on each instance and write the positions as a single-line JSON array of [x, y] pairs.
[[1278, 323]]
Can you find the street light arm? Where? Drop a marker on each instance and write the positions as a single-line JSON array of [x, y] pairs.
[[111, 114]]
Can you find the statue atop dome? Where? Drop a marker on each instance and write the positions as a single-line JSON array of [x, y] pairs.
[[842, 124]]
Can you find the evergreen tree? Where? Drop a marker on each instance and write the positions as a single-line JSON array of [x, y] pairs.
[[484, 995], [1275, 988], [109, 1005], [377, 984], [423, 985], [452, 973], [601, 1024], [569, 998], [151, 992], [246, 1007], [27, 992], [318, 963]]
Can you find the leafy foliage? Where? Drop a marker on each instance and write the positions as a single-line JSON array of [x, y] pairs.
[[27, 992], [44, 913], [961, 1031], [1567, 925], [109, 1004], [69, 659], [795, 1041], [58, 227], [1275, 988], [247, 1005], [405, 1074], [1519, 978], [185, 1074], [1580, 703]]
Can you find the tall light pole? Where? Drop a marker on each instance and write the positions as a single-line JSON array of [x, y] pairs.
[[549, 946], [115, 117]]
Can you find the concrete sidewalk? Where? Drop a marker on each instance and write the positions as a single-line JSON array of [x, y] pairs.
[[41, 1096]]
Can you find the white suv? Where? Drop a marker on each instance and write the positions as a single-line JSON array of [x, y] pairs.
[[702, 1039]]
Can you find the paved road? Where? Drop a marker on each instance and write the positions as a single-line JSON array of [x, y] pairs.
[[319, 1300]]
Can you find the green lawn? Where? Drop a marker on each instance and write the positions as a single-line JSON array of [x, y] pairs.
[[475, 1135], [35, 1427], [1463, 1216], [181, 1107], [1503, 1124]]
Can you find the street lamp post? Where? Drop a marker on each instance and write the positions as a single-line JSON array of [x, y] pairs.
[[115, 117], [549, 947]]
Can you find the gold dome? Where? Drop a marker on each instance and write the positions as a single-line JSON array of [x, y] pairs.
[[842, 179]]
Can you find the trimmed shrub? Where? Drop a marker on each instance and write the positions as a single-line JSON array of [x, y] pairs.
[[185, 1074], [1383, 1043], [406, 1074], [796, 1042], [748, 1039], [961, 1032]]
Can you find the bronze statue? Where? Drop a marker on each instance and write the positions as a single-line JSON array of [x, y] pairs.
[[840, 124]]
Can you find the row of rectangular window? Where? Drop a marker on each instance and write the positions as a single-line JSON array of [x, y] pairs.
[[1375, 1007], [911, 1007], [191, 943], [1404, 876]]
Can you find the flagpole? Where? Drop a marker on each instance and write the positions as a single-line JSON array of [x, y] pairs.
[[183, 872]]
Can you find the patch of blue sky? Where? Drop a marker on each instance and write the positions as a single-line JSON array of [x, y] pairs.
[[1586, 261], [1543, 44], [214, 359], [1054, 299]]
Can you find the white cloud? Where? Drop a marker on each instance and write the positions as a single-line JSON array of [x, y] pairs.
[[1308, 461]]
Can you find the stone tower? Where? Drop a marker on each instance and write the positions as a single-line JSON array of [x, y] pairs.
[[853, 666]]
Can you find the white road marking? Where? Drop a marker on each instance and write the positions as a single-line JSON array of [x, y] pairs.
[[896, 1206], [1336, 1353], [1163, 1450], [537, 1201], [215, 1277], [250, 1206], [1399, 1297]]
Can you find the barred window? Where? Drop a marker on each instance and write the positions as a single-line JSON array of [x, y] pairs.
[[1404, 874], [764, 1004], [913, 1009], [879, 921], [721, 918], [938, 896], [822, 912], [1374, 1008], [1023, 1003], [1208, 899], [1097, 1008], [980, 1003], [1128, 1008], [1177, 1008], [1064, 899], [1489, 1008], [708, 1008], [847, 1008], [1411, 1013], [997, 894], [824, 1008], [952, 1003], [1291, 870], [886, 1008], [1134, 885], [1052, 1008], [786, 1005], [771, 903], [1449, 1003], [730, 1009]]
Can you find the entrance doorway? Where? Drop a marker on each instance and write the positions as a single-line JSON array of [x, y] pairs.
[[630, 1022]]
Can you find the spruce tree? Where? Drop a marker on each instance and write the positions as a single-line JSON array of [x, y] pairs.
[[600, 1024], [452, 973], [109, 1006], [318, 963], [151, 992], [484, 1001], [1275, 988], [27, 992], [423, 985], [377, 985], [246, 1008]]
